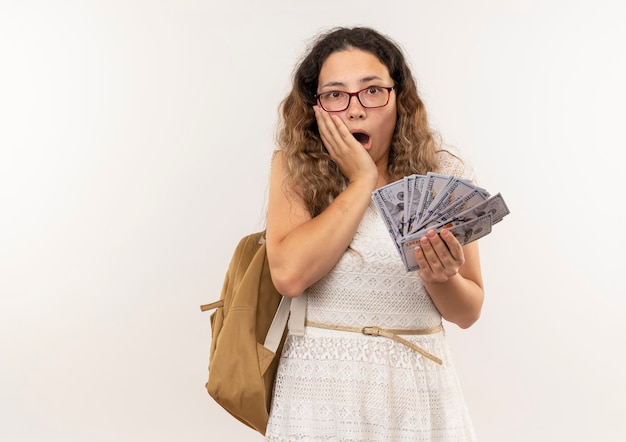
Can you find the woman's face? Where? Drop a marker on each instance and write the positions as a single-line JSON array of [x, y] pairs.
[[353, 70]]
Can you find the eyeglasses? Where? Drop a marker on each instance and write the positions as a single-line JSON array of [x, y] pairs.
[[370, 97]]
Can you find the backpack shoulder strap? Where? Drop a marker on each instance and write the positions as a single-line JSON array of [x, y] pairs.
[[277, 329], [298, 315], [290, 309]]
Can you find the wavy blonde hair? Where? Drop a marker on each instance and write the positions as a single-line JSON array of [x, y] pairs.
[[311, 171]]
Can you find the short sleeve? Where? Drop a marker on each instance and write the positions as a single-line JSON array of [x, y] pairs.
[[450, 164]]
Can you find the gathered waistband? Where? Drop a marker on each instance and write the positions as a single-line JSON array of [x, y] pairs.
[[391, 333]]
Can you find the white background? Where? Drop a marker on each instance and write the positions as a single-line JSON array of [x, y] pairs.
[[135, 143]]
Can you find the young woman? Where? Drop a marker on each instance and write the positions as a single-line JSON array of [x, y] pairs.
[[373, 363]]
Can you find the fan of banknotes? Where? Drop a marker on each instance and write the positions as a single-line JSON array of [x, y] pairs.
[[418, 203]]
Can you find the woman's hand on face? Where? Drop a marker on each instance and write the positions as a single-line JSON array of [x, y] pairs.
[[353, 160], [439, 256]]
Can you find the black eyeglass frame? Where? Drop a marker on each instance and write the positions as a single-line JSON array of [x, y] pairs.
[[356, 94]]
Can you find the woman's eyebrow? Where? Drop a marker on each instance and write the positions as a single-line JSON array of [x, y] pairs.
[[341, 84], [370, 78], [333, 84]]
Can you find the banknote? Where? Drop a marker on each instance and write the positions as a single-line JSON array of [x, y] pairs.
[[495, 206], [465, 233], [445, 214], [472, 230], [390, 203], [417, 203], [409, 185], [431, 187], [389, 200], [450, 194], [415, 184]]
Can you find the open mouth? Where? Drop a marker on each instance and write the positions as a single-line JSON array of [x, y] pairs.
[[362, 138]]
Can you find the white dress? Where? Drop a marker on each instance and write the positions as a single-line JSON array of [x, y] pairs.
[[345, 386]]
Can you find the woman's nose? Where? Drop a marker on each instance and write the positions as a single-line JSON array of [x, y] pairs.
[[355, 109]]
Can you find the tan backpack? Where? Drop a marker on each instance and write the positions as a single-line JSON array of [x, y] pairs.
[[248, 329]]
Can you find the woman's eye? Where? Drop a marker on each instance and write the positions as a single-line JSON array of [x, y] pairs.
[[373, 90]]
